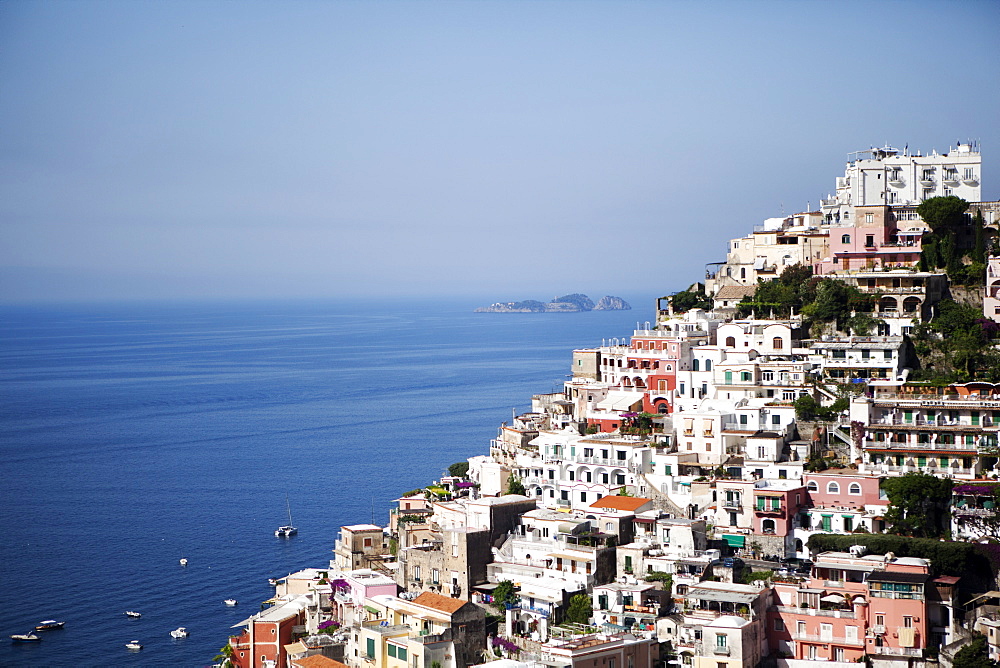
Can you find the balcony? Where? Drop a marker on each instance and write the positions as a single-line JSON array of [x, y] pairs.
[[897, 651], [813, 612], [828, 639], [896, 180], [927, 180], [732, 503], [970, 180], [769, 512], [721, 651], [950, 179]]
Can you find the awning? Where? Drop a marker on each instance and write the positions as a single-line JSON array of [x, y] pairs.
[[619, 401], [833, 598], [296, 648], [734, 541]]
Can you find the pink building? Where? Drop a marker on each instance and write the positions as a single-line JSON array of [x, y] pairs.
[[874, 242], [853, 606]]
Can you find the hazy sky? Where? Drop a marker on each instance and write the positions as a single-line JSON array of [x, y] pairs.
[[502, 150]]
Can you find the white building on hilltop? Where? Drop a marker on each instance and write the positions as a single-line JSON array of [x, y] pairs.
[[888, 176]]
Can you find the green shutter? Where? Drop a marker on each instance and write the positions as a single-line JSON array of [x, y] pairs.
[[392, 650], [908, 416], [666, 468], [729, 378], [402, 654], [371, 648]]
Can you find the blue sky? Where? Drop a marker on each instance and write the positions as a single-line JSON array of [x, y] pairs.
[[495, 150]]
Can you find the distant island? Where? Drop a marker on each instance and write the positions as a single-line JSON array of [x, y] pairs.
[[573, 303]]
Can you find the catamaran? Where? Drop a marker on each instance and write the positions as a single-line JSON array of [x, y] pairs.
[[288, 529]]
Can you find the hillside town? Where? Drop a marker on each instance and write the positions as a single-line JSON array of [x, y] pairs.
[[795, 460]]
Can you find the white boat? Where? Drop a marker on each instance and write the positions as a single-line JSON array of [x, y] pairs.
[[184, 561], [230, 602], [289, 529], [49, 624], [179, 632], [133, 614], [30, 636], [134, 644]]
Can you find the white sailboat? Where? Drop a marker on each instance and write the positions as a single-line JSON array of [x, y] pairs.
[[289, 529]]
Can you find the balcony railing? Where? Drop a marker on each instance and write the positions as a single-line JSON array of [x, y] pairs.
[[897, 651], [813, 612], [833, 640]]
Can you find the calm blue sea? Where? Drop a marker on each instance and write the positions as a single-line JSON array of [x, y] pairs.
[[133, 436]]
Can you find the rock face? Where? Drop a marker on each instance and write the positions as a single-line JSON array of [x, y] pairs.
[[573, 303], [609, 303]]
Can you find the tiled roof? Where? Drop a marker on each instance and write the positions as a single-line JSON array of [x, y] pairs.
[[629, 503], [439, 602], [735, 291]]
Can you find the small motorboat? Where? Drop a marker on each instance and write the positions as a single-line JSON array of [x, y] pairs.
[[230, 602], [272, 581], [49, 624], [30, 636], [133, 645], [184, 561], [179, 632], [133, 614]]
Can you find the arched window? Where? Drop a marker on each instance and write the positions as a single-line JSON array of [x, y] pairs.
[[777, 343], [832, 488], [768, 526], [846, 239], [695, 365], [855, 489], [730, 341], [708, 365], [812, 486]]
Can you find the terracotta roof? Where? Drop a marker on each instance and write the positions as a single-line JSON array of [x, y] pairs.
[[630, 503], [735, 291], [439, 602], [317, 661]]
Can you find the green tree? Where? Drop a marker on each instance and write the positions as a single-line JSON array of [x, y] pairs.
[[918, 505], [943, 214], [806, 407], [979, 236], [504, 594], [579, 609], [458, 469], [974, 655], [225, 656], [515, 486], [689, 299]]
